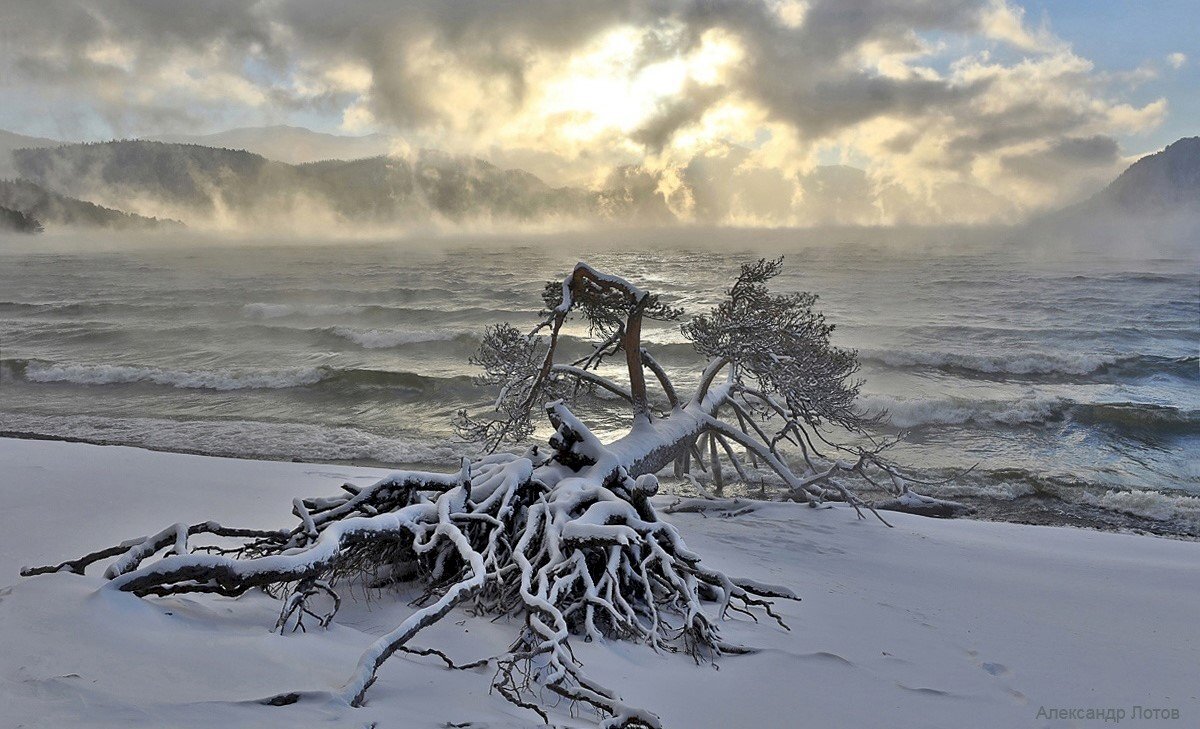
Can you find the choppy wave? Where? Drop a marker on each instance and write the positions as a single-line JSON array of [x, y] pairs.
[[263, 310], [914, 412], [275, 311], [88, 332], [1142, 365], [1178, 512], [231, 379], [1137, 417], [353, 378], [75, 308], [918, 412], [1041, 363], [1155, 505], [242, 438], [386, 338], [1032, 365], [220, 379]]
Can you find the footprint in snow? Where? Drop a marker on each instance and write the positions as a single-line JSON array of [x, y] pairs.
[[998, 670]]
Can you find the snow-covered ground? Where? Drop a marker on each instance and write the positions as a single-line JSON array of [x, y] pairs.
[[930, 624]]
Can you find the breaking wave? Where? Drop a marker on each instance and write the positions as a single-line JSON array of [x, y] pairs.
[[918, 412], [230, 379], [1155, 505], [1041, 363], [275, 311], [93, 374], [242, 438], [1178, 512]]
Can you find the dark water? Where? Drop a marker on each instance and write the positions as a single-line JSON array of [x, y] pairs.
[[1071, 380]]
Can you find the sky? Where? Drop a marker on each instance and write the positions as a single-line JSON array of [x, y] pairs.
[[948, 111]]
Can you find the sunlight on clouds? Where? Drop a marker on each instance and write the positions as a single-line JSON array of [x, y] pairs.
[[602, 89], [791, 13], [1006, 22], [607, 86], [954, 112], [108, 53], [357, 118], [1132, 119], [887, 60], [345, 77], [352, 77]]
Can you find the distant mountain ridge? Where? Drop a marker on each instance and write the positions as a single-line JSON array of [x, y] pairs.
[[235, 186], [1163, 181], [193, 182], [1155, 202], [283, 143], [10, 142]]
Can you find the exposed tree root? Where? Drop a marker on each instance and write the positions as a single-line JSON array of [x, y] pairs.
[[574, 553]]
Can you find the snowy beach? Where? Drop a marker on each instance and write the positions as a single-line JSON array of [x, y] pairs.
[[929, 624]]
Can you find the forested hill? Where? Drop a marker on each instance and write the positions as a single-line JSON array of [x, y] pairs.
[[1165, 181], [1152, 204], [294, 145], [54, 209], [15, 220], [192, 182], [10, 141]]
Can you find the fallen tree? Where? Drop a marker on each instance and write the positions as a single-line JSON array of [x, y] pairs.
[[562, 537]]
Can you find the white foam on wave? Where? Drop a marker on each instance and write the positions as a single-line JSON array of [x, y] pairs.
[[385, 338], [88, 374], [1026, 363], [999, 490], [912, 412], [241, 438], [1149, 504]]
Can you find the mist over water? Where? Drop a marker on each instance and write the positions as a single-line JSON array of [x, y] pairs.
[[1069, 378]]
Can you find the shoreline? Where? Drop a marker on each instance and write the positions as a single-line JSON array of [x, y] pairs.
[[981, 624], [1030, 510]]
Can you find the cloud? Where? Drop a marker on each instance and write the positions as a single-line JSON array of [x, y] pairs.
[[944, 104], [1177, 60], [1082, 160]]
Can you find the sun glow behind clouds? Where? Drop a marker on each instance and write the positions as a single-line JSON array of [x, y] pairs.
[[608, 87]]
